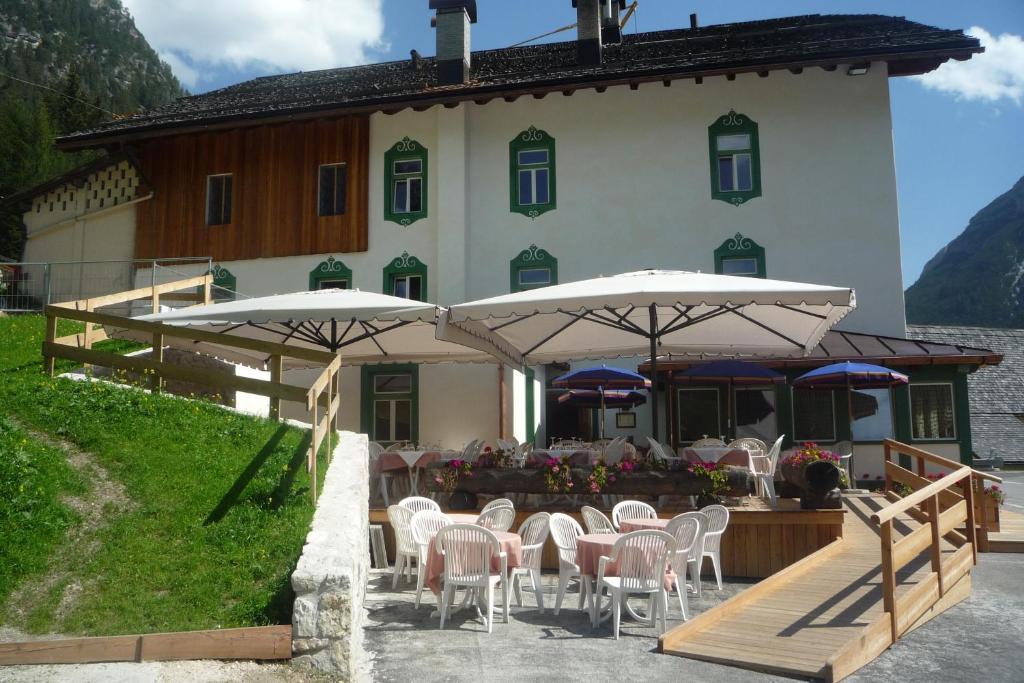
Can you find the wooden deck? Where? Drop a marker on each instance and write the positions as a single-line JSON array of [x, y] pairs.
[[822, 617], [1010, 537]]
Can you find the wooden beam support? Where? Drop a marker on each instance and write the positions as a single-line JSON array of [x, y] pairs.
[[796, 70], [763, 74], [730, 77], [634, 86], [601, 88]]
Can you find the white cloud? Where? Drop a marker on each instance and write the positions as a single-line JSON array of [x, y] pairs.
[[196, 36], [991, 76]]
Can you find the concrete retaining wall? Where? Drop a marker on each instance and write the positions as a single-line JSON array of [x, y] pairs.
[[330, 579]]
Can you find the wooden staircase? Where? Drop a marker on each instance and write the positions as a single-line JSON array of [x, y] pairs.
[[836, 610]]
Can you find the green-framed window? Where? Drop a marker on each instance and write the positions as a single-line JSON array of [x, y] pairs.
[[532, 268], [932, 412], [814, 415], [330, 274], [532, 187], [225, 284], [389, 409], [405, 182], [735, 159], [740, 255], [406, 277]]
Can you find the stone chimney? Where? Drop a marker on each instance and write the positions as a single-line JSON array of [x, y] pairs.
[[588, 31], [452, 24]]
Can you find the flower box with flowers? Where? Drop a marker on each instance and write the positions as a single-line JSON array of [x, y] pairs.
[[992, 500], [629, 477], [793, 466]]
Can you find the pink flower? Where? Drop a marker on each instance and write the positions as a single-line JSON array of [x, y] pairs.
[[554, 468], [611, 478], [569, 484]]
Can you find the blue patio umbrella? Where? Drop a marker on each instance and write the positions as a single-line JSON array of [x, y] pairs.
[[602, 379], [730, 372], [593, 398], [850, 376]]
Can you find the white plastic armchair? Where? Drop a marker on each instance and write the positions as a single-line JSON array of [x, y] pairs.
[[564, 532], [375, 451], [632, 509], [749, 443], [641, 557], [534, 532], [686, 531], [718, 520], [596, 521], [615, 451], [498, 518], [498, 503], [406, 551], [418, 503], [468, 451], [695, 558], [661, 451], [468, 550], [763, 468], [707, 442], [425, 524], [473, 453], [844, 449]]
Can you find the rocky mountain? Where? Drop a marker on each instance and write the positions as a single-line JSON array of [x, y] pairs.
[[43, 40], [978, 278]]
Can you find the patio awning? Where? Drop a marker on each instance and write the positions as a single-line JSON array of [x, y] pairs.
[[688, 313], [363, 327]]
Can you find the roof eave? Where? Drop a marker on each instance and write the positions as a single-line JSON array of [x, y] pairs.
[[917, 61]]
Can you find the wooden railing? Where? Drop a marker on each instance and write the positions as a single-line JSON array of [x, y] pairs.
[[942, 510], [919, 478], [321, 399]]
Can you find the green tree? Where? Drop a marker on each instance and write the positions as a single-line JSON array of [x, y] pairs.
[[72, 107]]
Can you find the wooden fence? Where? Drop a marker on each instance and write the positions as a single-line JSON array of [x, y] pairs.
[[941, 507], [321, 399]]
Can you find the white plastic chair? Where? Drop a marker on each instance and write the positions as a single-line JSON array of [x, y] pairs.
[[533, 531], [615, 451], [469, 450], [468, 550], [718, 520], [660, 451], [564, 532], [425, 524], [749, 443], [498, 518], [641, 557], [695, 558], [763, 468], [844, 449], [418, 503], [707, 443], [686, 531], [632, 509], [596, 521], [406, 549], [498, 503]]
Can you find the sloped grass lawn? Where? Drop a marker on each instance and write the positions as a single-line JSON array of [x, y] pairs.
[[220, 502]]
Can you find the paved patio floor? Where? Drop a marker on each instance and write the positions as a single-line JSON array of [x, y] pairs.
[[978, 637]]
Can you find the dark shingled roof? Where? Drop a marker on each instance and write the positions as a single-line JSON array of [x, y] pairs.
[[790, 42], [996, 392]]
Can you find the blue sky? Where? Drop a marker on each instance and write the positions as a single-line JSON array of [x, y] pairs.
[[956, 148]]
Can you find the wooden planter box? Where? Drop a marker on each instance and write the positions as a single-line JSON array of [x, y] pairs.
[[990, 514], [498, 481]]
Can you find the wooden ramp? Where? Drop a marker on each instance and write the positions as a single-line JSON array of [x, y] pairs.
[[1010, 537], [839, 608]]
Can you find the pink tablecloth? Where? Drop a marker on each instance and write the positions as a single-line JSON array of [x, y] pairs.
[[590, 548], [627, 525], [399, 461], [462, 517], [510, 543], [723, 455]]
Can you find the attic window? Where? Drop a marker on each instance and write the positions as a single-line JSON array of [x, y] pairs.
[[218, 199]]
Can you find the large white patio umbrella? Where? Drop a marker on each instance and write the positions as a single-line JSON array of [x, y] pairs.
[[363, 327], [656, 312]]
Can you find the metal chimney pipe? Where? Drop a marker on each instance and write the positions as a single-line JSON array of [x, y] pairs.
[[693, 21]]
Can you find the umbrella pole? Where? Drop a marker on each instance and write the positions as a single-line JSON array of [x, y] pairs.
[[602, 414], [728, 409], [654, 373], [849, 413]]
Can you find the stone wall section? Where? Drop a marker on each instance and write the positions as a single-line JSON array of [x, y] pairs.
[[330, 579]]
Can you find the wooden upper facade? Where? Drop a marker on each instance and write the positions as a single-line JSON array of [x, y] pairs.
[[275, 186]]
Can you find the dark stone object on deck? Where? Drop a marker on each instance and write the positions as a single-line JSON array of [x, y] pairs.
[[462, 500], [653, 483], [822, 489]]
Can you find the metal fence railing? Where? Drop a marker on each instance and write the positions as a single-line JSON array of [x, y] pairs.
[[29, 287]]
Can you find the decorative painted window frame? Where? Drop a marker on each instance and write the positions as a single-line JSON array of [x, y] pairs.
[[405, 265], [404, 149], [739, 246], [733, 123], [367, 395], [531, 138], [330, 269], [225, 279], [531, 257]]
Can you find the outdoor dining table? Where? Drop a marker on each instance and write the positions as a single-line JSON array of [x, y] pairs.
[[511, 544], [716, 454], [412, 460], [627, 525], [589, 550], [581, 456]]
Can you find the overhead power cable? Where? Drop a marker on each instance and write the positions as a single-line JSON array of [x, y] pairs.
[[57, 92]]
